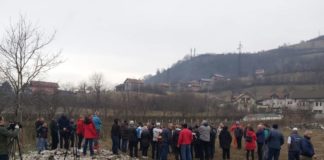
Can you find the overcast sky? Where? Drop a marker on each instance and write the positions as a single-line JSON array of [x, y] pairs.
[[132, 38]]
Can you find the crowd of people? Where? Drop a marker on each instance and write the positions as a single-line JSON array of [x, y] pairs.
[[83, 134], [183, 142], [198, 142]]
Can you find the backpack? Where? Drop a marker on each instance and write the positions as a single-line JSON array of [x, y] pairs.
[[238, 132], [295, 144], [248, 138]]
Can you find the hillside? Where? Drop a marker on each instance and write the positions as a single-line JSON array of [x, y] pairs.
[[302, 57]]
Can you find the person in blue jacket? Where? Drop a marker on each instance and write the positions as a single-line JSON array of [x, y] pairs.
[[274, 141], [260, 140], [97, 122], [307, 149]]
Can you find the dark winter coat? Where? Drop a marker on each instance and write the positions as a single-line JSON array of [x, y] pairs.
[[132, 134], [275, 139], [225, 138], [260, 136], [115, 130], [145, 138], [307, 147], [53, 126], [124, 131], [64, 122]]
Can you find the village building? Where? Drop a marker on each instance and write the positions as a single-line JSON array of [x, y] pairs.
[[244, 101], [48, 88], [313, 100], [131, 85], [259, 73]]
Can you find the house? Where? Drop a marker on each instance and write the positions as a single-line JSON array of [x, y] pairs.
[[193, 86], [275, 102], [217, 77], [298, 100], [313, 100], [133, 85], [259, 73], [244, 101], [49, 88]]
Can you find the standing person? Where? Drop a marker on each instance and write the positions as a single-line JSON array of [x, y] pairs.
[[145, 141], [175, 139], [5, 135], [265, 149], [115, 136], [38, 124], [79, 131], [43, 132], [294, 143], [124, 136], [97, 122], [219, 129], [54, 130], [89, 135], [64, 128], [238, 134], [72, 132], [155, 144], [274, 141], [204, 138], [260, 141], [307, 149], [166, 137], [184, 142], [225, 140], [212, 146], [132, 137], [250, 143], [139, 133], [196, 142]]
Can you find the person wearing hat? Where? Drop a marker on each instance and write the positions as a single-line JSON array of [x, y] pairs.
[[294, 142]]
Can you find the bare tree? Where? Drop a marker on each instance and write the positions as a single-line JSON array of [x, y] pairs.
[[22, 56], [97, 80]]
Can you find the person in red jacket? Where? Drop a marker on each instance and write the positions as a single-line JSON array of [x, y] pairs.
[[79, 130], [184, 142], [89, 133], [250, 143]]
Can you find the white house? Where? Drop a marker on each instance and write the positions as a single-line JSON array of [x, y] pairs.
[[313, 100], [244, 101]]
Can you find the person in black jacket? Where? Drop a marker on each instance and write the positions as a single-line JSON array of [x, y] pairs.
[[64, 128], [213, 136], [54, 133], [124, 136], [225, 140], [115, 136], [145, 141], [132, 137], [175, 138]]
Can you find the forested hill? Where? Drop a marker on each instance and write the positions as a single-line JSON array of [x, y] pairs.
[[302, 57]]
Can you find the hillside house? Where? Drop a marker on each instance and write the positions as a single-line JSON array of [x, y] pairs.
[[244, 101], [313, 100], [217, 77], [133, 85], [259, 73], [275, 102], [35, 87]]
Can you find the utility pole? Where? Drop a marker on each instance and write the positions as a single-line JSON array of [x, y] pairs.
[[239, 59]]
